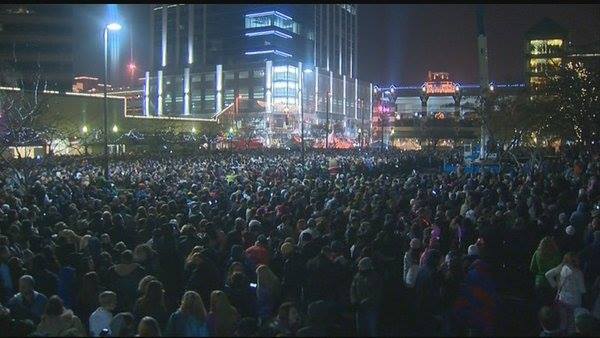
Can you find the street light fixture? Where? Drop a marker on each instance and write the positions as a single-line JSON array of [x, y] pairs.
[[113, 26], [115, 129], [110, 27], [84, 129]]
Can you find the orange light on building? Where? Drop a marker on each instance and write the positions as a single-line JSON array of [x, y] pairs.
[[445, 87]]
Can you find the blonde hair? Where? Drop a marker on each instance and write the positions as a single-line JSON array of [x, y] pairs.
[[225, 314], [191, 303]]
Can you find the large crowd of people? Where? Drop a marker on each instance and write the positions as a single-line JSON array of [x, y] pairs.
[[346, 243]]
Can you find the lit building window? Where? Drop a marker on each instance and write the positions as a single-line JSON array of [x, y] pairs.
[[258, 92], [229, 95], [537, 47], [541, 65], [273, 18], [243, 93], [243, 74], [258, 73]]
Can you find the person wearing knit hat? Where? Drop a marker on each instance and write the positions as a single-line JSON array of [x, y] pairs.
[[254, 226], [473, 250]]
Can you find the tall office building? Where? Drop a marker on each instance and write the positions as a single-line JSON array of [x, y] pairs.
[[546, 45], [38, 39], [280, 58]]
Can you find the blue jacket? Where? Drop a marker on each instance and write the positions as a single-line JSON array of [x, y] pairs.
[[19, 310]]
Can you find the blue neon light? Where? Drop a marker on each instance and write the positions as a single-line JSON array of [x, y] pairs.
[[277, 52], [283, 35], [279, 14], [273, 51], [513, 85]]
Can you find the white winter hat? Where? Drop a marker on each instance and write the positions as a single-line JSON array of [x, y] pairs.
[[473, 250], [470, 215], [570, 230]]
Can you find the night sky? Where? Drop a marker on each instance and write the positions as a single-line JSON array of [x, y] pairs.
[[397, 44]]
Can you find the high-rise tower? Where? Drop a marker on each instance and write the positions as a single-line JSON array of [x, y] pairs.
[[273, 61]]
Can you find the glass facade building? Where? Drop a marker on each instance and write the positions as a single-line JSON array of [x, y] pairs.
[[274, 59]]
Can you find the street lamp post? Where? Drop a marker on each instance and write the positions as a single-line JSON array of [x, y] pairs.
[[327, 122], [84, 131], [110, 27]]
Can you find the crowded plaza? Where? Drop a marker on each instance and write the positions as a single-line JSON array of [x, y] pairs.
[[299, 170], [257, 243]]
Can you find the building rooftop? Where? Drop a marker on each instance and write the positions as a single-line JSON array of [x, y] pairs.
[[546, 28]]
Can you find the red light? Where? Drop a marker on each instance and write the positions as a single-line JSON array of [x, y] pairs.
[[131, 66]]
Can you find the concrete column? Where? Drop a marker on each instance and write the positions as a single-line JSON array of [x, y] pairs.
[[186, 91], [159, 106], [147, 94], [219, 88]]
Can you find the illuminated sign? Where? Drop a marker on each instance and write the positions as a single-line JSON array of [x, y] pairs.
[[442, 87]]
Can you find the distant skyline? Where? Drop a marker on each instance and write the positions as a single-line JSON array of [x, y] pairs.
[[397, 43]]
